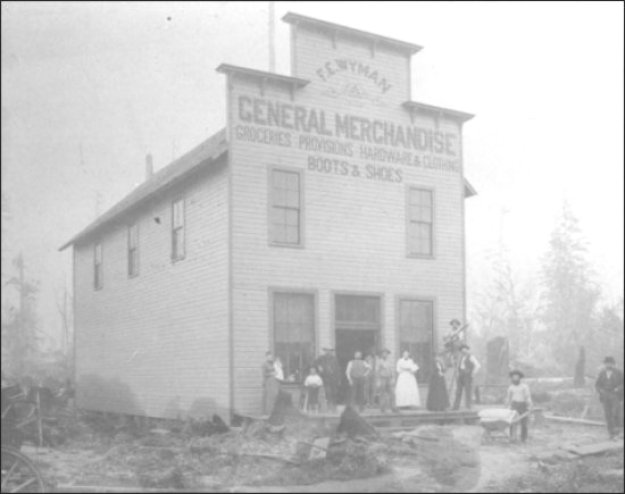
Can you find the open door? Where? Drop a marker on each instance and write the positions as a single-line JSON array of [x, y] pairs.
[[357, 322]]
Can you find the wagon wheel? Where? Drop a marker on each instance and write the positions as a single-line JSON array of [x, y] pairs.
[[18, 473]]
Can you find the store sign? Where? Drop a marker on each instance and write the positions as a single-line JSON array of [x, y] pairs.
[[339, 142], [341, 65]]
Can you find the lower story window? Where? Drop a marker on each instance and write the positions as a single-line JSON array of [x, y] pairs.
[[294, 333], [416, 334]]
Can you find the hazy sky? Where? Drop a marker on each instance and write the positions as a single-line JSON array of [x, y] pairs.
[[89, 88]]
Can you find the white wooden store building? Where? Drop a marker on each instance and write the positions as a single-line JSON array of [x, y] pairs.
[[328, 212]]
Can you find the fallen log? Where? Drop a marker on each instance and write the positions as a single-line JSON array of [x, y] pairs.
[[571, 420]]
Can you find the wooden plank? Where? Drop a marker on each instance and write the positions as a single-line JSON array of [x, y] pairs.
[[571, 420]]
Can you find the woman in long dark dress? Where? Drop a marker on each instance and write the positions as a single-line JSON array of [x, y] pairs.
[[438, 398]]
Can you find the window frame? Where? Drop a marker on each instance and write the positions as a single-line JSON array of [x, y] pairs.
[[302, 238], [382, 336], [435, 343], [175, 256], [272, 292], [130, 249], [409, 252], [98, 267]]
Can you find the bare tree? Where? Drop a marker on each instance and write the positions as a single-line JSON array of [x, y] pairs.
[[20, 336]]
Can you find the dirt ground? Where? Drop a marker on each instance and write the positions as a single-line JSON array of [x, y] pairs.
[[429, 459]]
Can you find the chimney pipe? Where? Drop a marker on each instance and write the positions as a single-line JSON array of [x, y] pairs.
[[149, 167]]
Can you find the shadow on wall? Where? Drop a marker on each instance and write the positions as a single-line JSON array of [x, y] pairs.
[[94, 392]]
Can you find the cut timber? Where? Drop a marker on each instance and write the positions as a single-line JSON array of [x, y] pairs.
[[594, 449], [574, 421]]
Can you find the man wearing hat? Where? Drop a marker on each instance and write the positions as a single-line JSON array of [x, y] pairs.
[[328, 367], [468, 366], [609, 385], [453, 337], [384, 377], [519, 398]]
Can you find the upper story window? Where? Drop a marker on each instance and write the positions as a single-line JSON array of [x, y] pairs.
[[420, 222], [285, 214], [97, 266], [133, 250], [177, 229]]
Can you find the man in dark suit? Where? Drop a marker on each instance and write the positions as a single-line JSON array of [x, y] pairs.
[[468, 366], [609, 385]]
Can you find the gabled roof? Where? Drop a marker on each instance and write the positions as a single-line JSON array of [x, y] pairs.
[[403, 46], [202, 155]]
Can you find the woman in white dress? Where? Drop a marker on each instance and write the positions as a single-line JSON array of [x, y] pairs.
[[406, 389], [277, 365]]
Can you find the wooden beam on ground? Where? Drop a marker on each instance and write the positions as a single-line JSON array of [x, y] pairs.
[[570, 420]]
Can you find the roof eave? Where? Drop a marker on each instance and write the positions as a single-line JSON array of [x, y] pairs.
[[453, 114], [225, 68]]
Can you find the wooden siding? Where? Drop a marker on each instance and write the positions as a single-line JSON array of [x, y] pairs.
[[157, 344], [354, 227]]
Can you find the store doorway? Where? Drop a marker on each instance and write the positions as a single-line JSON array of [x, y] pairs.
[[358, 325]]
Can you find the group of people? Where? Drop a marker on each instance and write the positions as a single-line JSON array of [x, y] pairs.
[[609, 387], [374, 381]]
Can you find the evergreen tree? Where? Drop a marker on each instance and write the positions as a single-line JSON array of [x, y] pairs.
[[569, 297]]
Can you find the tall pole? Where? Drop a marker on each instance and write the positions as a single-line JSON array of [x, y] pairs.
[[272, 47]]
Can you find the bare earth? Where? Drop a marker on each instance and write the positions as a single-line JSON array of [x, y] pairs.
[[492, 466]]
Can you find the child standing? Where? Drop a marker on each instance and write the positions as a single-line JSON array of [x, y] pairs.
[[519, 398], [312, 384]]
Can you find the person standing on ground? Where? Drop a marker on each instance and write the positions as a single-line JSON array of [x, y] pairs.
[[330, 373], [519, 399], [313, 383], [271, 386], [384, 380], [406, 389], [609, 385], [357, 372], [370, 384], [438, 398], [467, 368]]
